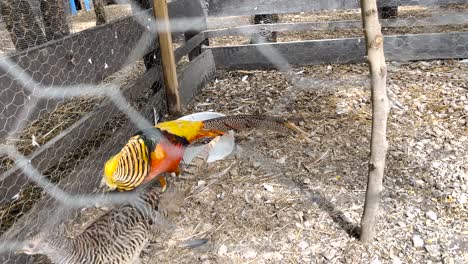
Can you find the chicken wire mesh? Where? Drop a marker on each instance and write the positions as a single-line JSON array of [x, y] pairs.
[[49, 89], [61, 100]]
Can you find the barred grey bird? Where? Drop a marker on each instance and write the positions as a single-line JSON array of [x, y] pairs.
[[265, 35], [120, 235]]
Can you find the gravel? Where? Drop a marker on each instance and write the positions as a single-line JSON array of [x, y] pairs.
[[304, 200]]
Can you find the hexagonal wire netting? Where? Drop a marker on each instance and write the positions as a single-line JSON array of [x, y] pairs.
[[72, 93], [65, 85]]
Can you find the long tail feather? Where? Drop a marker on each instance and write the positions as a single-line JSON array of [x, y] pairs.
[[244, 122]]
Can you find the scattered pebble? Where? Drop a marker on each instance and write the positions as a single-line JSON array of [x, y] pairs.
[[396, 260], [222, 251], [417, 241], [233, 172], [433, 249], [282, 160], [249, 254], [431, 215], [257, 164], [201, 183], [329, 254], [462, 198], [268, 187], [376, 260], [303, 245]]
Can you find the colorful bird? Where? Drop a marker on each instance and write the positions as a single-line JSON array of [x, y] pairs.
[[120, 235], [160, 149]]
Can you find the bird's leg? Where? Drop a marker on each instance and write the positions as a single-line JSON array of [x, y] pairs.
[[303, 134], [163, 182], [177, 172]]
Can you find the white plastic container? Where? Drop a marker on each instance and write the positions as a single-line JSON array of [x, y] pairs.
[[223, 148]]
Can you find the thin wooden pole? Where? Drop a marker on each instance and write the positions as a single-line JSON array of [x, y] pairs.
[[380, 108], [167, 54]]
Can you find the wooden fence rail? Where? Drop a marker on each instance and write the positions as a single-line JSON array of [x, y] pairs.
[[255, 7], [73, 137], [455, 18], [348, 50], [83, 58]]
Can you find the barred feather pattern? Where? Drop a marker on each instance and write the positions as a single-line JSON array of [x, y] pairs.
[[265, 35], [134, 163], [118, 236], [243, 122]]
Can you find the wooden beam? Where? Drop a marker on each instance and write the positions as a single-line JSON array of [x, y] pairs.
[[193, 11], [167, 56], [85, 57], [255, 7], [410, 47], [455, 18], [188, 46], [195, 75]]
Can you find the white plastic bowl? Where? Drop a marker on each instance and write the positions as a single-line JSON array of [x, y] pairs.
[[223, 148]]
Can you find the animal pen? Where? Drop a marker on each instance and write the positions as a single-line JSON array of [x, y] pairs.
[[70, 103]]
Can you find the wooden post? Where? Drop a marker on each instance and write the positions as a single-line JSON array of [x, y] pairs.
[[380, 109], [99, 11], [167, 55]]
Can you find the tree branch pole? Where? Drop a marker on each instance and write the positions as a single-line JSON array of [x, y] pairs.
[[380, 109], [167, 55]]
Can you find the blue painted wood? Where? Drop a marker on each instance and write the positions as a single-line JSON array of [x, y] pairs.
[[87, 5], [73, 7]]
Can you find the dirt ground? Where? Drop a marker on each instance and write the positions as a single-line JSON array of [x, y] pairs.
[[283, 200], [280, 199]]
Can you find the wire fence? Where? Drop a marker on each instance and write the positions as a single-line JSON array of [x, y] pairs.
[[71, 93]]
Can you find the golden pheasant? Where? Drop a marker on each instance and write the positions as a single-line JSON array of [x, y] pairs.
[[120, 235], [160, 149]]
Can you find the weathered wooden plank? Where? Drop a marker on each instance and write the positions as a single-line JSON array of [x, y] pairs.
[[187, 9], [188, 15], [85, 57], [194, 13], [452, 45], [254, 7], [48, 213], [195, 75], [456, 18], [350, 50], [295, 53], [74, 136], [188, 46]]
